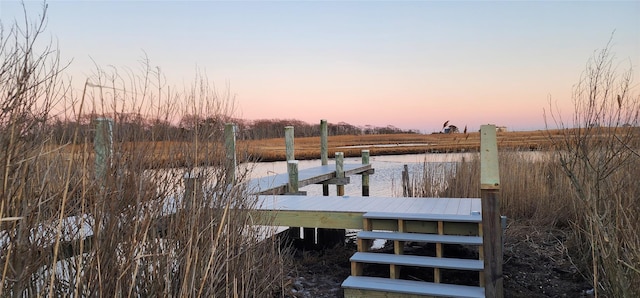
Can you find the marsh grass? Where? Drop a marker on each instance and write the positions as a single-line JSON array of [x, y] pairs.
[[65, 231], [587, 183]]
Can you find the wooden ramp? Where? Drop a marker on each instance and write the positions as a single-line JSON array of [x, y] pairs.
[[277, 184]]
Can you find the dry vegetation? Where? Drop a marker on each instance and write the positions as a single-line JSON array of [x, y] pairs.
[[586, 184], [64, 230], [69, 229]]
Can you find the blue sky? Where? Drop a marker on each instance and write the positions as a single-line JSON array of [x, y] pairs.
[[413, 64]]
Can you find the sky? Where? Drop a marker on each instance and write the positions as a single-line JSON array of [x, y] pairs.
[[409, 64]]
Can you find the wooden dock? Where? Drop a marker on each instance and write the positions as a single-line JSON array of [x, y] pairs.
[[277, 184], [346, 212], [439, 221]]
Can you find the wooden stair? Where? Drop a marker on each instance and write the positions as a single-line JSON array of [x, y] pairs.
[[360, 285]]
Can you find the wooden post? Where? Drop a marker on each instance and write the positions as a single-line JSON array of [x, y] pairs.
[[288, 140], [324, 151], [491, 222], [230, 146], [192, 190], [365, 176], [292, 170], [406, 184], [340, 172], [103, 146]]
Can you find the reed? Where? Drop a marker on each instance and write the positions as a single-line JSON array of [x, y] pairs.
[[586, 183], [66, 231]]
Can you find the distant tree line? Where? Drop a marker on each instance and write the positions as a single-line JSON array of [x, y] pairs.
[[135, 127]]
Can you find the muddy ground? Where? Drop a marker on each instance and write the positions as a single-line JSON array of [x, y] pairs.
[[536, 264]]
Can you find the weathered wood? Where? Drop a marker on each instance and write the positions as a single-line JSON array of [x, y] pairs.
[[292, 170], [491, 222], [324, 151], [340, 171], [230, 152], [289, 143], [406, 186], [277, 184], [337, 181], [365, 176], [103, 147]]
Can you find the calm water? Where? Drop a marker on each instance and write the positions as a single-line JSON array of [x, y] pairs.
[[387, 180]]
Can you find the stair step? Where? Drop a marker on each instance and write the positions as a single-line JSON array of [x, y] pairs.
[[424, 217], [401, 286], [415, 237], [418, 261]]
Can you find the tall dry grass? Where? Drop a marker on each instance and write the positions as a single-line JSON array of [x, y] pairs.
[[587, 183], [133, 232]]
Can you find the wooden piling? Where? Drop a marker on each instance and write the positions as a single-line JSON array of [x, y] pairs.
[[288, 140], [103, 146], [365, 176], [292, 171], [324, 151], [230, 153], [340, 172], [491, 222]]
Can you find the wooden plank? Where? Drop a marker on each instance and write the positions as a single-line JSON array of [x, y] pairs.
[[465, 207], [415, 237], [440, 205], [424, 217], [452, 206], [359, 293], [489, 174], [417, 261], [319, 219], [410, 287]]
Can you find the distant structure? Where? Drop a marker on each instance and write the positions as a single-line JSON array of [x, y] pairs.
[[451, 129], [501, 129]]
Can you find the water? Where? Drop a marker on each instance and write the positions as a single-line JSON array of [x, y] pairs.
[[385, 182]]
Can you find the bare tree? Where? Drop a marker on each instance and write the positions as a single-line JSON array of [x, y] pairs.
[[597, 153]]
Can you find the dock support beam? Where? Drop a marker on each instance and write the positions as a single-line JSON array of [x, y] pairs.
[[365, 176], [324, 151], [340, 172], [491, 221]]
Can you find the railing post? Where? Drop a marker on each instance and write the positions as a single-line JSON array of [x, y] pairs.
[[491, 221], [230, 152], [324, 151], [365, 176], [340, 171], [103, 147], [288, 140]]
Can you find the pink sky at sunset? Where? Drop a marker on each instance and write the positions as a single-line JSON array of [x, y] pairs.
[[412, 65]]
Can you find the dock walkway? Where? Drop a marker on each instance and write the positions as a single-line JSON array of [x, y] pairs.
[[277, 184]]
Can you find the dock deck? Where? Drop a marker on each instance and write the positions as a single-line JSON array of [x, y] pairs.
[[346, 212]]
